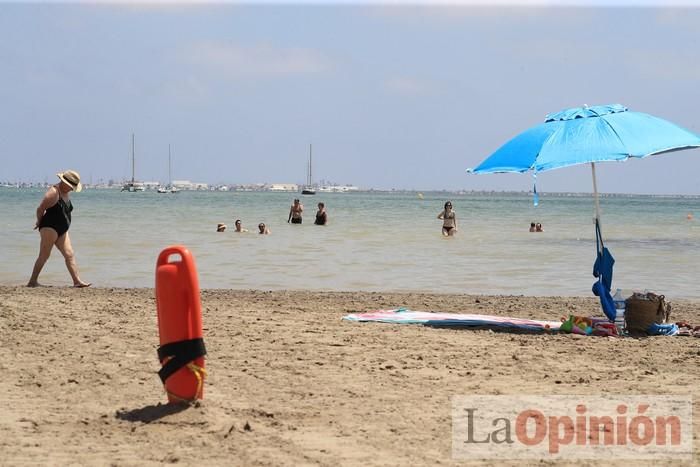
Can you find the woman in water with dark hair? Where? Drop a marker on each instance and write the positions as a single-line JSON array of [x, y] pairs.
[[239, 227], [321, 215], [53, 218], [449, 220]]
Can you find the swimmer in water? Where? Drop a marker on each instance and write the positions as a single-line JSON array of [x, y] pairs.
[[449, 218]]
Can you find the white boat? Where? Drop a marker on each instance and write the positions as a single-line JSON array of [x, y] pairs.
[[308, 189], [133, 185], [170, 188], [337, 188]]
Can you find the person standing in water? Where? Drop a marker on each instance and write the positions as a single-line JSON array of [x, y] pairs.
[[449, 220], [53, 218], [295, 212], [321, 215]]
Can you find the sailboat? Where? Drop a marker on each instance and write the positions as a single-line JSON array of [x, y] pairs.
[[133, 185], [308, 189], [170, 188]]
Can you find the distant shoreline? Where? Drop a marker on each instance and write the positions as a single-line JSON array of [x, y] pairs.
[[233, 188]]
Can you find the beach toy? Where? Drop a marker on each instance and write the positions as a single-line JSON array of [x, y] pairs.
[[181, 350], [576, 325], [567, 324], [582, 330]]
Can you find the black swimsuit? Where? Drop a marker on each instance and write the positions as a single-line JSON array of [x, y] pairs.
[[320, 218], [57, 217]]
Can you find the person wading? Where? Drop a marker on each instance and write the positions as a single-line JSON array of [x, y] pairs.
[[53, 218], [295, 212]]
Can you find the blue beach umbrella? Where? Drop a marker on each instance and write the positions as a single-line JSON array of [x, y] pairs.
[[586, 135]]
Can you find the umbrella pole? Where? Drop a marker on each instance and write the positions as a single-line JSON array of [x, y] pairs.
[[595, 197], [595, 193]]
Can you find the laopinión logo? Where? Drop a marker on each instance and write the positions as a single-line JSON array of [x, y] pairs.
[[572, 427]]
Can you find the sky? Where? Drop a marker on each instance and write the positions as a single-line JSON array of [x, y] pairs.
[[390, 95]]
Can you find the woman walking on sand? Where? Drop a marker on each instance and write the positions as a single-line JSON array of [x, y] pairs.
[[53, 218], [449, 220]]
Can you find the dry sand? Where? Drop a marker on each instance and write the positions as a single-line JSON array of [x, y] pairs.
[[290, 383]]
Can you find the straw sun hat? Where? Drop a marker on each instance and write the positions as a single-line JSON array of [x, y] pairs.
[[71, 178]]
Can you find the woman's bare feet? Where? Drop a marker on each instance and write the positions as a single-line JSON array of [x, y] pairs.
[[80, 285]]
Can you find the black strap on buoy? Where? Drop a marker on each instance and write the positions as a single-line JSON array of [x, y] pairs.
[[181, 353]]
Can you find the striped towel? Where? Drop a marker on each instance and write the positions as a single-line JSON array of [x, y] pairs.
[[406, 316]]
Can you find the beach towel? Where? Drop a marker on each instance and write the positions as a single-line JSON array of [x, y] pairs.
[[406, 316]]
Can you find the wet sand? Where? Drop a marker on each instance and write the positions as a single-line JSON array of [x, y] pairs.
[[290, 383]]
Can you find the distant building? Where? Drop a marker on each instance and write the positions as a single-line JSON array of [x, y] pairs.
[[188, 185], [183, 184], [283, 187]]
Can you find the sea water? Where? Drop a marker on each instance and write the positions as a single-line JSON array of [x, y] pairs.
[[375, 241]]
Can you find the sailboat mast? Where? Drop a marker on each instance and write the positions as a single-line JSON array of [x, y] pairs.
[[133, 163], [308, 182], [170, 174]]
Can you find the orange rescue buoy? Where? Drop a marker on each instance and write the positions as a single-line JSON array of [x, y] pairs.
[[181, 350]]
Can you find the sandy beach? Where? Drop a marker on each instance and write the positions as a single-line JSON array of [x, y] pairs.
[[290, 383]]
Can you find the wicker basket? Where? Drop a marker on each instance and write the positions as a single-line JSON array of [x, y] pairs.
[[643, 310]]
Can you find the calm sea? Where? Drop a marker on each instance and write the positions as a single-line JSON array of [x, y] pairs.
[[374, 242]]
